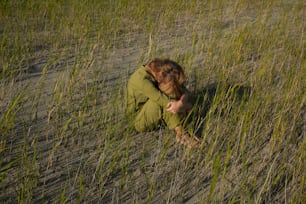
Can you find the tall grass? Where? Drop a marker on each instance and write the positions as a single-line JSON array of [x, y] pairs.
[[64, 67]]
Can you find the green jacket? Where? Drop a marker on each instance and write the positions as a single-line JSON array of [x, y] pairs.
[[141, 87]]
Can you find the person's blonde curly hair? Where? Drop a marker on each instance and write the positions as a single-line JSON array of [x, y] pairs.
[[169, 75]]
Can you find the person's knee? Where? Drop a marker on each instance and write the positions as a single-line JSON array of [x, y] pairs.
[[149, 117]]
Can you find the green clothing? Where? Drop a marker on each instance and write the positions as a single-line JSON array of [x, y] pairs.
[[148, 103]]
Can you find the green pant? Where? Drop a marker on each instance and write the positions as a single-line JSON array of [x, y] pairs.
[[152, 114]]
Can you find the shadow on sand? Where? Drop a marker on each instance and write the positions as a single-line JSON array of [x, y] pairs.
[[203, 100]]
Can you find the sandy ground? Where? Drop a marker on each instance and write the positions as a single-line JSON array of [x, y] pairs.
[[58, 171]]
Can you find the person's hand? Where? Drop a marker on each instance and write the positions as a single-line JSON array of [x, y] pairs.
[[179, 107], [175, 106]]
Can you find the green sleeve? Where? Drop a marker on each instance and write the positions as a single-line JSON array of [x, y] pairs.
[[153, 93], [142, 82]]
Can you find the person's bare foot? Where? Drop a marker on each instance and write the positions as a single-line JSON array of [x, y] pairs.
[[185, 138]]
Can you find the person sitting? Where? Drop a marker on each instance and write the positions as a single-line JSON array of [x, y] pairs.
[[156, 94]]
